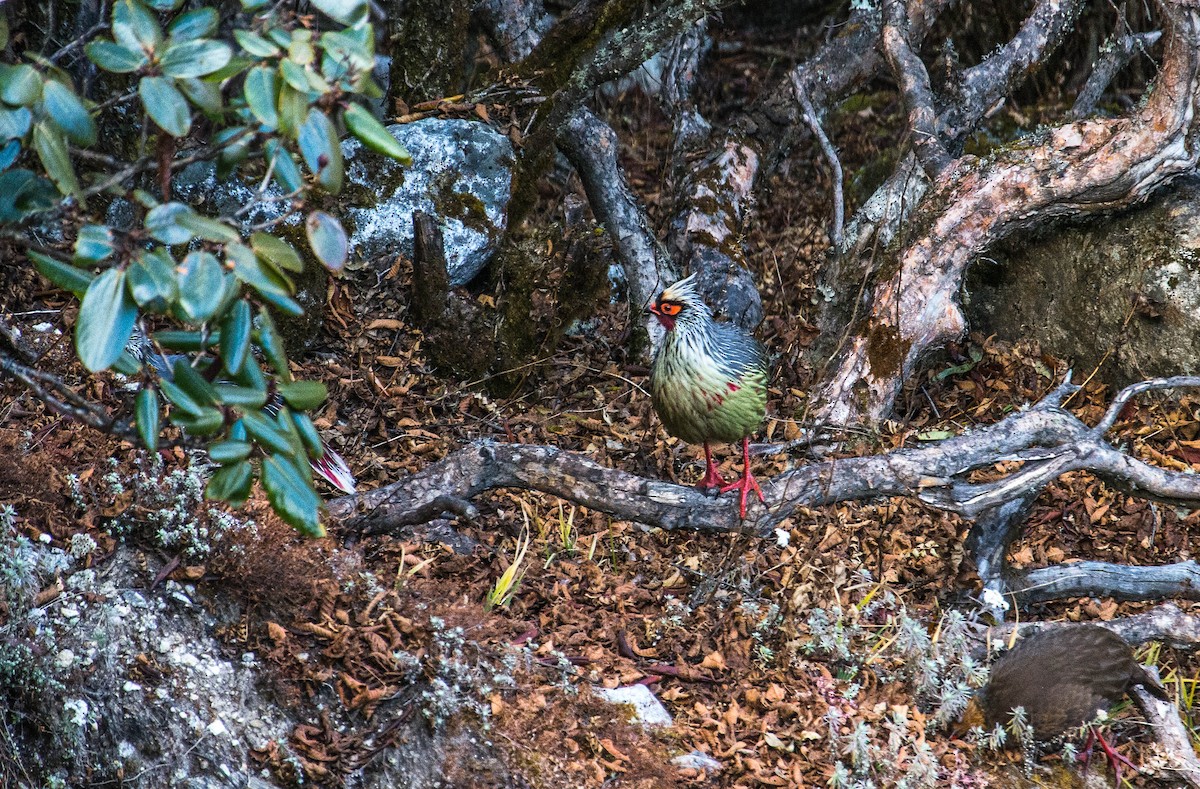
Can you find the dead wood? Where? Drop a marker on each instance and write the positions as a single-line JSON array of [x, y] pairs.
[[1048, 439], [1086, 167], [592, 147]]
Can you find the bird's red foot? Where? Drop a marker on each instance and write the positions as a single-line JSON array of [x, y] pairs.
[[745, 484], [712, 477], [1115, 760]]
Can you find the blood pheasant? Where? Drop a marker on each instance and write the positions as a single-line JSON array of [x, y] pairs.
[[708, 382], [330, 467], [1063, 679]]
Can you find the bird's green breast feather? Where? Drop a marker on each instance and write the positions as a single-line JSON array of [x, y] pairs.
[[699, 402]]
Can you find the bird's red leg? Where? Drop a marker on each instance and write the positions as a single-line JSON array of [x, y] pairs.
[[747, 483], [712, 477], [1115, 760]]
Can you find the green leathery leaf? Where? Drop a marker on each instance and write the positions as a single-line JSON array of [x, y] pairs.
[[277, 251], [270, 284], [263, 430], [176, 340], [23, 193], [231, 483], [68, 113], [293, 107], [195, 58], [8, 154], [146, 414], [241, 396], [190, 380], [52, 151], [226, 452], [308, 434], [208, 421], [93, 244], [127, 365], [64, 276], [194, 24], [134, 26], [237, 431], [207, 228], [163, 223], [202, 93], [261, 90], [346, 12], [321, 150], [152, 282], [235, 336], [292, 496], [15, 124], [255, 45], [179, 398], [294, 76], [304, 395], [327, 239], [114, 58], [373, 134], [271, 343], [20, 85], [165, 105], [201, 286], [105, 323]]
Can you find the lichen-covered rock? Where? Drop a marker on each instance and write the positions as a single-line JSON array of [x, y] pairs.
[[461, 173], [1122, 292], [133, 682]]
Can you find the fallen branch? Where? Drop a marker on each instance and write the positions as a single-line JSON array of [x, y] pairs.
[[1103, 579], [1170, 734], [1050, 440]]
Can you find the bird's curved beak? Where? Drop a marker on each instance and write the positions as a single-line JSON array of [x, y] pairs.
[[652, 309]]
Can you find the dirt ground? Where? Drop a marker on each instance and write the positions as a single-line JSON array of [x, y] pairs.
[[802, 668]]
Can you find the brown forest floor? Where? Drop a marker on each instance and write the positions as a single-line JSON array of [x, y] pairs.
[[744, 675]]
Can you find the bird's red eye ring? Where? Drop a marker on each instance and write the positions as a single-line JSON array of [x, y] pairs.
[[669, 308]]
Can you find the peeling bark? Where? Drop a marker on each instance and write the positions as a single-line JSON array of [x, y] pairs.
[[1080, 168]]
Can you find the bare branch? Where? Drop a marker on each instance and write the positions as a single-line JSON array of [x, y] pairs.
[[592, 146], [1103, 579], [986, 84], [913, 79], [1050, 440], [64, 400], [1118, 403], [1170, 734], [831, 156], [1114, 55], [1081, 168]]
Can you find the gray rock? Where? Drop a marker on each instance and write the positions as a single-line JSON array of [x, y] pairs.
[[461, 172], [1122, 292]]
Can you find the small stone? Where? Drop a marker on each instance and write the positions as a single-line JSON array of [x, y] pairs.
[[64, 659], [647, 709], [216, 728], [696, 760]]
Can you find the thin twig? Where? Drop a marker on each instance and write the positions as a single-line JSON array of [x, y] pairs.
[[831, 156]]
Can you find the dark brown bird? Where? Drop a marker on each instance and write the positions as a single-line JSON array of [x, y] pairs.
[[1064, 678]]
